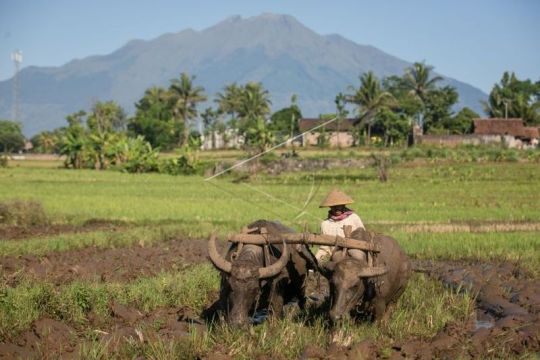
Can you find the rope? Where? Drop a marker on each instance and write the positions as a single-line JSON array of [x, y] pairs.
[[267, 151]]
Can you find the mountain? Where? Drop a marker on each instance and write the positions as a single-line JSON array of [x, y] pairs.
[[277, 50]]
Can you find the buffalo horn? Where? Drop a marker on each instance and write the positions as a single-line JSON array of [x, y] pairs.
[[275, 268], [218, 260], [373, 271]]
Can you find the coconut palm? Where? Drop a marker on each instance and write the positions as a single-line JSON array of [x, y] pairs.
[[254, 102], [253, 109], [418, 80], [184, 98], [229, 101], [370, 100], [514, 98], [419, 83]]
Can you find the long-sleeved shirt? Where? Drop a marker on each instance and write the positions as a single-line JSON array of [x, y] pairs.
[[331, 227]]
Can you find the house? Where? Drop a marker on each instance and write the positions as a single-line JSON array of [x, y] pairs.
[[337, 134], [496, 126], [229, 139], [511, 131]]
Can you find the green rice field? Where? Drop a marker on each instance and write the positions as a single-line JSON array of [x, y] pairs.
[[486, 211]]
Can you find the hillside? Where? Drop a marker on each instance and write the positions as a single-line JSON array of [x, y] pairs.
[[277, 50]]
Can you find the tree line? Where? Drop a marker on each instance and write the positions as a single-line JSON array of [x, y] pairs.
[[384, 109]]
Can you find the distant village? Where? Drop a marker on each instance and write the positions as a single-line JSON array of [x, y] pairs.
[[510, 132]]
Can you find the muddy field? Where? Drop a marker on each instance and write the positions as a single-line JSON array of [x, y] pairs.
[[507, 306], [96, 264]]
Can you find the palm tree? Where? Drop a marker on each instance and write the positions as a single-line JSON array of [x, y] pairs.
[[184, 98], [418, 80], [229, 101], [419, 83], [253, 109], [254, 102], [370, 99]]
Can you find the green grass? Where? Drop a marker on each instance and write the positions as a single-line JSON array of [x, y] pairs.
[[437, 193], [141, 235], [21, 305], [157, 208], [520, 247], [424, 309]]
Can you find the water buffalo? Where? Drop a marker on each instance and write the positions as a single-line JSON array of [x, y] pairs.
[[247, 284], [356, 289]]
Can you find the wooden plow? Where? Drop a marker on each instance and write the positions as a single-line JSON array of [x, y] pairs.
[[261, 236]]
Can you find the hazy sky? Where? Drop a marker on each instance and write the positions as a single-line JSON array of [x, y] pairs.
[[470, 40]]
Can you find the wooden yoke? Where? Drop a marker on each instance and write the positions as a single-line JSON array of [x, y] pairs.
[[303, 238]]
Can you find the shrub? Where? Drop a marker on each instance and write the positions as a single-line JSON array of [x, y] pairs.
[[140, 157], [22, 213], [181, 165]]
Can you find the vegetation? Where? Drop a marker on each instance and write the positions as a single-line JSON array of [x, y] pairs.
[[370, 99], [445, 206], [185, 96], [22, 213], [385, 111], [284, 122], [514, 98], [153, 120], [11, 137]]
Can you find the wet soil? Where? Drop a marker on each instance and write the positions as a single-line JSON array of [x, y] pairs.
[[103, 265], [507, 322], [25, 232], [49, 338]]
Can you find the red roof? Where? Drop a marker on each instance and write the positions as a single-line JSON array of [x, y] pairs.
[[498, 126], [531, 132]]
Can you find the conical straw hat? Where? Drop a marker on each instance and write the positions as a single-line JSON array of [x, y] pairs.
[[336, 197]]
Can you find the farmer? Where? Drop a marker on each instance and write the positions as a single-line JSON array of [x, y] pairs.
[[339, 215]]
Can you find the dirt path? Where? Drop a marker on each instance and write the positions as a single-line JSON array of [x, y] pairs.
[[96, 264]]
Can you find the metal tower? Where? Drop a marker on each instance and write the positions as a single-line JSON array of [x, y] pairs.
[[16, 56]]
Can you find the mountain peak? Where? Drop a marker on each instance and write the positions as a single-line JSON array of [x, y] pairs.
[[230, 20], [274, 17], [275, 49], [266, 17]]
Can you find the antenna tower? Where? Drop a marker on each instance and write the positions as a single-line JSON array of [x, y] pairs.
[[16, 56]]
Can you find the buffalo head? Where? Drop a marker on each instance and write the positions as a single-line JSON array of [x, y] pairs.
[[348, 284], [243, 276]]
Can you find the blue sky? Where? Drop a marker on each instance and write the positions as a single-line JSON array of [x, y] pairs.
[[473, 41]]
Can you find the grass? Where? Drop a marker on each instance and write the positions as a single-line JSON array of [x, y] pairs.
[[519, 247], [439, 193], [157, 208], [141, 235], [21, 305], [423, 310]]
